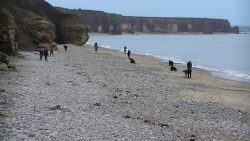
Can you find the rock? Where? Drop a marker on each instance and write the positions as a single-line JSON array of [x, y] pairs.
[[2, 115], [57, 107], [4, 58], [3, 67], [12, 68], [192, 138], [31, 135], [97, 104], [164, 125], [127, 116]]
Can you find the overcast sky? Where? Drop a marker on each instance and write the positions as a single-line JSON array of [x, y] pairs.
[[236, 11]]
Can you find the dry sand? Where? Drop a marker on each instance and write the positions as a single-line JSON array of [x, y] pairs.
[[85, 95]]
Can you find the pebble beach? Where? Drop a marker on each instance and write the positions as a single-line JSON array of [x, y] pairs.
[[83, 95]]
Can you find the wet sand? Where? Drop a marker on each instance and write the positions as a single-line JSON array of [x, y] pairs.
[[85, 95]]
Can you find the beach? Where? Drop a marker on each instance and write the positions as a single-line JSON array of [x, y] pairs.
[[86, 95]]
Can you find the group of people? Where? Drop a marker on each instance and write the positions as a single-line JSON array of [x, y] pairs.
[[45, 53], [126, 51], [188, 71]]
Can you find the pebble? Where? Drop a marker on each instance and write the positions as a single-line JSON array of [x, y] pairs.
[[108, 77]]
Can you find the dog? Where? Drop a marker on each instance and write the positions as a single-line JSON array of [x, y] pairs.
[[132, 60], [187, 73], [173, 69]]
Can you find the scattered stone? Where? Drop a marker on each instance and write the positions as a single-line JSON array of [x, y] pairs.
[[136, 95], [47, 83], [57, 107], [11, 68], [128, 92], [97, 104], [31, 135], [127, 116], [192, 138], [2, 90], [115, 97], [164, 125], [2, 115]]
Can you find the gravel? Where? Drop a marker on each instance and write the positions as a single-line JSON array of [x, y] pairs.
[[82, 95]]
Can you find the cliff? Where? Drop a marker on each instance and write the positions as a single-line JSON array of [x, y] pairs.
[[29, 24], [99, 21]]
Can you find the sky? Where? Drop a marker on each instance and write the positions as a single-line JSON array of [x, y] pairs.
[[236, 11]]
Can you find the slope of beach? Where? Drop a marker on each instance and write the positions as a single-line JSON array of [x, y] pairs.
[[84, 95]]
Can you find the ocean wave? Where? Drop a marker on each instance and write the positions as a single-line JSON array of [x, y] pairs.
[[103, 46], [231, 73], [237, 74]]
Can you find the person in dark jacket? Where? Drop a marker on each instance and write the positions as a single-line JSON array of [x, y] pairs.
[[65, 47], [51, 52], [41, 51], [125, 49], [129, 53], [189, 70], [46, 53], [96, 46]]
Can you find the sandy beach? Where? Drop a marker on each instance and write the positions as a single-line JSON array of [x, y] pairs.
[[85, 95]]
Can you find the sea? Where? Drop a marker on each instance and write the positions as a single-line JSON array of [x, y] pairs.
[[224, 55]]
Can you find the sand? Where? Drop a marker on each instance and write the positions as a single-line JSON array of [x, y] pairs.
[[85, 95]]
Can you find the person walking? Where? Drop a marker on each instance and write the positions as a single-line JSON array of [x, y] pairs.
[[46, 53], [129, 53], [189, 66], [65, 47], [96, 46], [41, 51], [125, 50], [51, 52]]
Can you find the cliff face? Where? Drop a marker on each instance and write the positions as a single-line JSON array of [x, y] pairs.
[[112, 23], [35, 23], [8, 31], [98, 21]]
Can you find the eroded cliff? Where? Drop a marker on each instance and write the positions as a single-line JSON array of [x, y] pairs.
[[99, 21], [35, 23]]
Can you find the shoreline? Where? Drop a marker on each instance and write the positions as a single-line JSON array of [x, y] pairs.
[[178, 33], [213, 71], [81, 94], [198, 75]]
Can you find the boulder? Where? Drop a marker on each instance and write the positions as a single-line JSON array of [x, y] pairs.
[[4, 58], [3, 67]]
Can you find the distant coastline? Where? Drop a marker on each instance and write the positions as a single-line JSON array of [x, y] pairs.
[[102, 22]]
